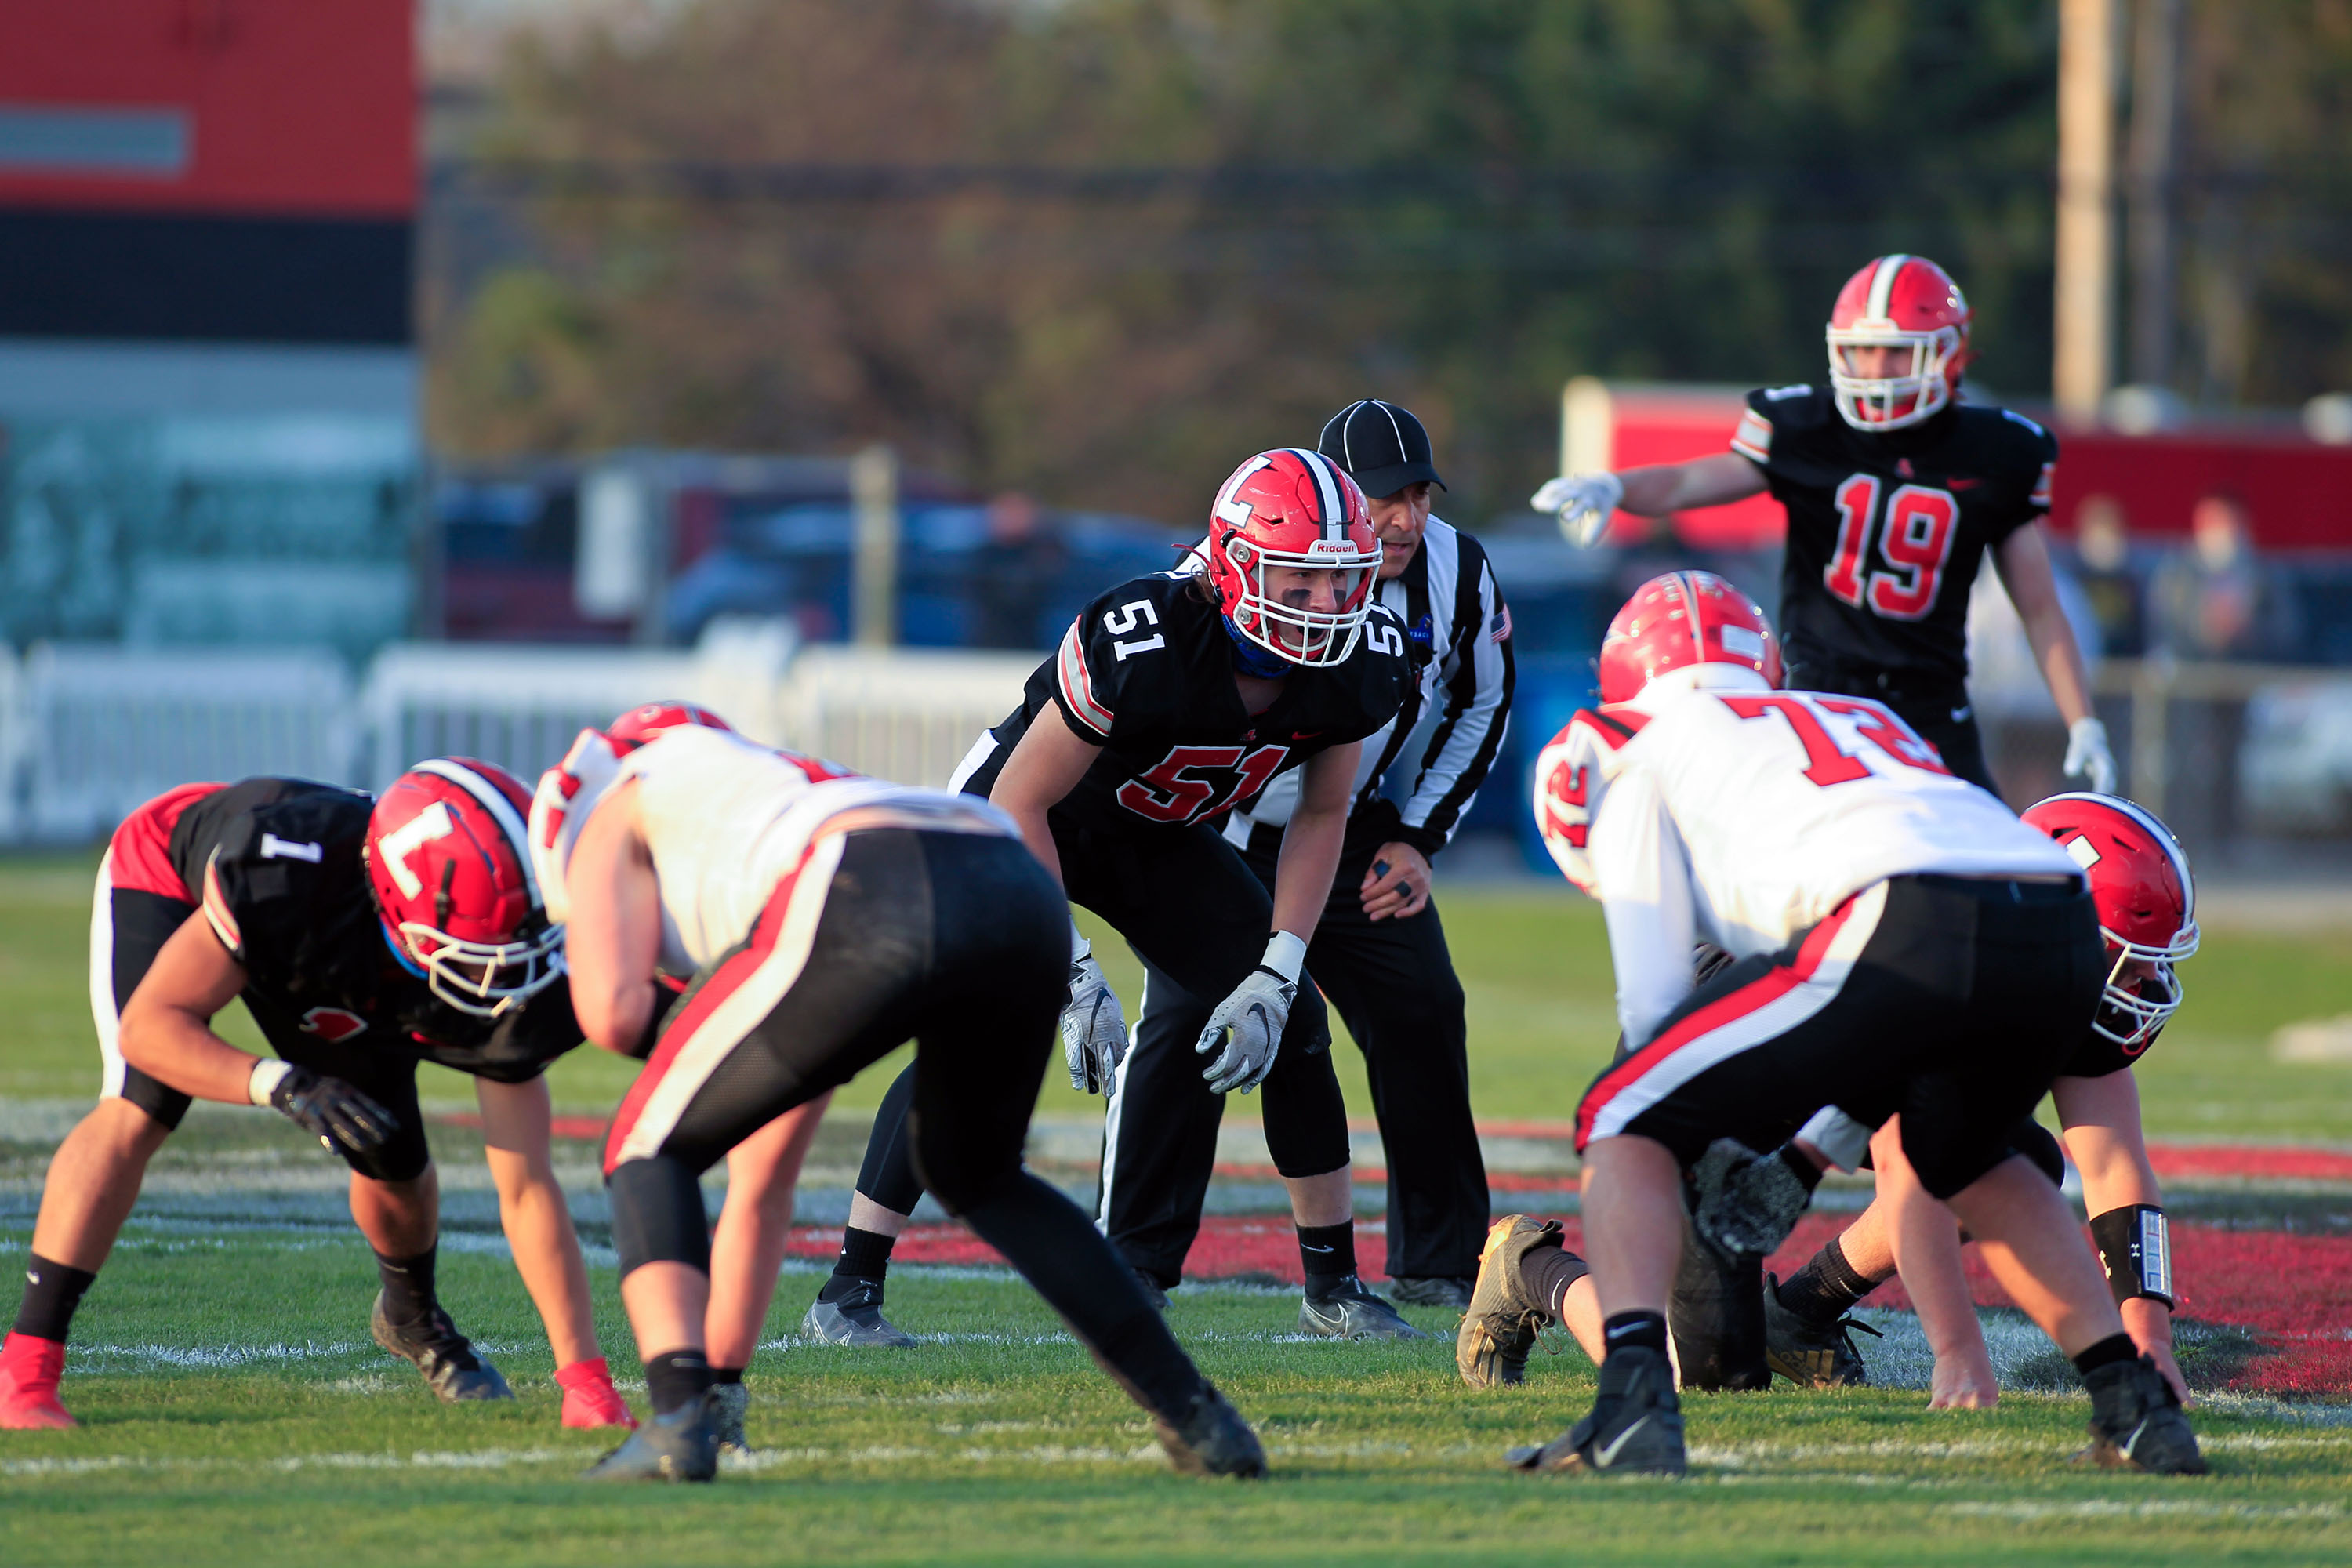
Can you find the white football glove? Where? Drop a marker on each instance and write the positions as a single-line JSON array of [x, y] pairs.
[[1094, 1030], [2088, 756], [1585, 503], [1246, 1028]]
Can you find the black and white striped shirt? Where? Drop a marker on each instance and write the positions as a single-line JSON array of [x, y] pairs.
[[1460, 632]]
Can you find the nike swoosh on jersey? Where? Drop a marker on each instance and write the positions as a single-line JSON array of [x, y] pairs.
[[1606, 1455]]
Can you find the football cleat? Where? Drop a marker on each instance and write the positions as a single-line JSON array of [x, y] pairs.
[[728, 1401], [1500, 1323], [1430, 1291], [856, 1320], [681, 1445], [1347, 1310], [2136, 1422], [444, 1355], [1212, 1439], [1154, 1295], [590, 1400], [30, 1368], [1811, 1355], [1635, 1425]]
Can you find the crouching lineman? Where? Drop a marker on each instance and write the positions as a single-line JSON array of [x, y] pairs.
[[363, 935], [1174, 697], [2147, 902], [1901, 945], [825, 919]]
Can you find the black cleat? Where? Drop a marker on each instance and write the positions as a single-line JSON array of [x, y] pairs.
[[444, 1355], [1154, 1296], [682, 1446], [1635, 1425], [1432, 1291], [856, 1320], [728, 1401], [1500, 1320], [1811, 1355], [2136, 1422], [1345, 1310], [1212, 1439]]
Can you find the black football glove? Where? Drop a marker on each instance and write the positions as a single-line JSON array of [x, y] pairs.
[[344, 1121]]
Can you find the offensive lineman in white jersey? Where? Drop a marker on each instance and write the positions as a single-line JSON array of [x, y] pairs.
[[1901, 944], [824, 917]]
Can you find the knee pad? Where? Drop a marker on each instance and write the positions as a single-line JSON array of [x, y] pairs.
[[2037, 1143], [657, 1215]]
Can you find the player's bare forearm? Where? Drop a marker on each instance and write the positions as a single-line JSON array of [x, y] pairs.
[[613, 942], [1043, 768], [1716, 480], [2023, 562], [517, 1125], [1310, 843], [166, 1028], [1928, 1253], [2104, 1138]]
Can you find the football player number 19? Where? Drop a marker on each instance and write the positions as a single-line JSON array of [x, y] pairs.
[[1825, 764], [1920, 523]]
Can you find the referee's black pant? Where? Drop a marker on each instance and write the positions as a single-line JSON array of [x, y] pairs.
[[1393, 984]]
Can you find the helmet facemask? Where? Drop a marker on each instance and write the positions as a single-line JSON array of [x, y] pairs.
[[1893, 402], [474, 976], [2142, 991], [1312, 639]]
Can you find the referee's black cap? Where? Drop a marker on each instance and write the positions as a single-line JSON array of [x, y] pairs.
[[1382, 447]]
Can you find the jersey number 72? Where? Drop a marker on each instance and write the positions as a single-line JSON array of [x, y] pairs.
[[1826, 765]]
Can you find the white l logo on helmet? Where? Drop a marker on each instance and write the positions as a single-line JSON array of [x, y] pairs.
[[434, 822]]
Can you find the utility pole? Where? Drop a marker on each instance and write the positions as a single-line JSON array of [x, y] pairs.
[[2085, 260], [873, 569], [2155, 156]]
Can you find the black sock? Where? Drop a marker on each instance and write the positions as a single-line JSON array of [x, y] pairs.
[[52, 1291], [408, 1286], [864, 1255], [1826, 1288], [2106, 1352], [679, 1377], [1635, 1331], [727, 1373], [1327, 1252], [1548, 1272]]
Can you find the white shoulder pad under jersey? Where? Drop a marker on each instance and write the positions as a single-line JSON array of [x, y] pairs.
[[1786, 803], [726, 820]]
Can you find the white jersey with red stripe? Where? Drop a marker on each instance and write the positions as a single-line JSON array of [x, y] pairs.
[[727, 821], [1714, 809]]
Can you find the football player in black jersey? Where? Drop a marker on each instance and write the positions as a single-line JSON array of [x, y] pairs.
[[1894, 489], [364, 936], [1171, 698], [2146, 900]]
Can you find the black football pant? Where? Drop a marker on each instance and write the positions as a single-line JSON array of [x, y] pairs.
[[1187, 904], [957, 940], [1394, 985]]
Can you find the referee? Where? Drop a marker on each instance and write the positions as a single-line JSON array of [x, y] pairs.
[[1379, 953]]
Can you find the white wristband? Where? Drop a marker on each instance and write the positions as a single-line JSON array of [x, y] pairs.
[[1286, 954], [267, 1073], [1080, 948]]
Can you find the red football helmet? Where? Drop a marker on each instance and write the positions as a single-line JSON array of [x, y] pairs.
[[2147, 905], [450, 863], [1293, 508], [1902, 302], [1681, 620], [639, 725]]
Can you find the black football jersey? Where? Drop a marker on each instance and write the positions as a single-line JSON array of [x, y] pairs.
[[1886, 532], [1146, 672], [275, 864], [2098, 1056]]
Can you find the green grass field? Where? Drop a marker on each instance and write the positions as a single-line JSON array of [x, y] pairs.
[[234, 1412]]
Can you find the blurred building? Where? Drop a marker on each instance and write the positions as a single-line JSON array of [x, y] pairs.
[[208, 374]]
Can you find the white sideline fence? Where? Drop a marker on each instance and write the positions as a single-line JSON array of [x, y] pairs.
[[89, 731]]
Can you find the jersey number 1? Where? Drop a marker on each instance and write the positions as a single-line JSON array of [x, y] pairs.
[[1921, 523]]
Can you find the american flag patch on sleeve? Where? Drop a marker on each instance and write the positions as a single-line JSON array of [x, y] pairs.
[[1754, 436], [2041, 496], [1498, 629]]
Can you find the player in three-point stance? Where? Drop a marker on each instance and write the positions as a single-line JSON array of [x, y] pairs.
[[1901, 945], [1379, 954], [2147, 902], [1894, 489], [823, 919], [1173, 699], [364, 936]]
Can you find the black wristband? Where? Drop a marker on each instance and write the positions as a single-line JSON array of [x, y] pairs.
[[2135, 1242]]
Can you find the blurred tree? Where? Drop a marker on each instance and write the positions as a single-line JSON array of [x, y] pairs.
[[1100, 249]]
